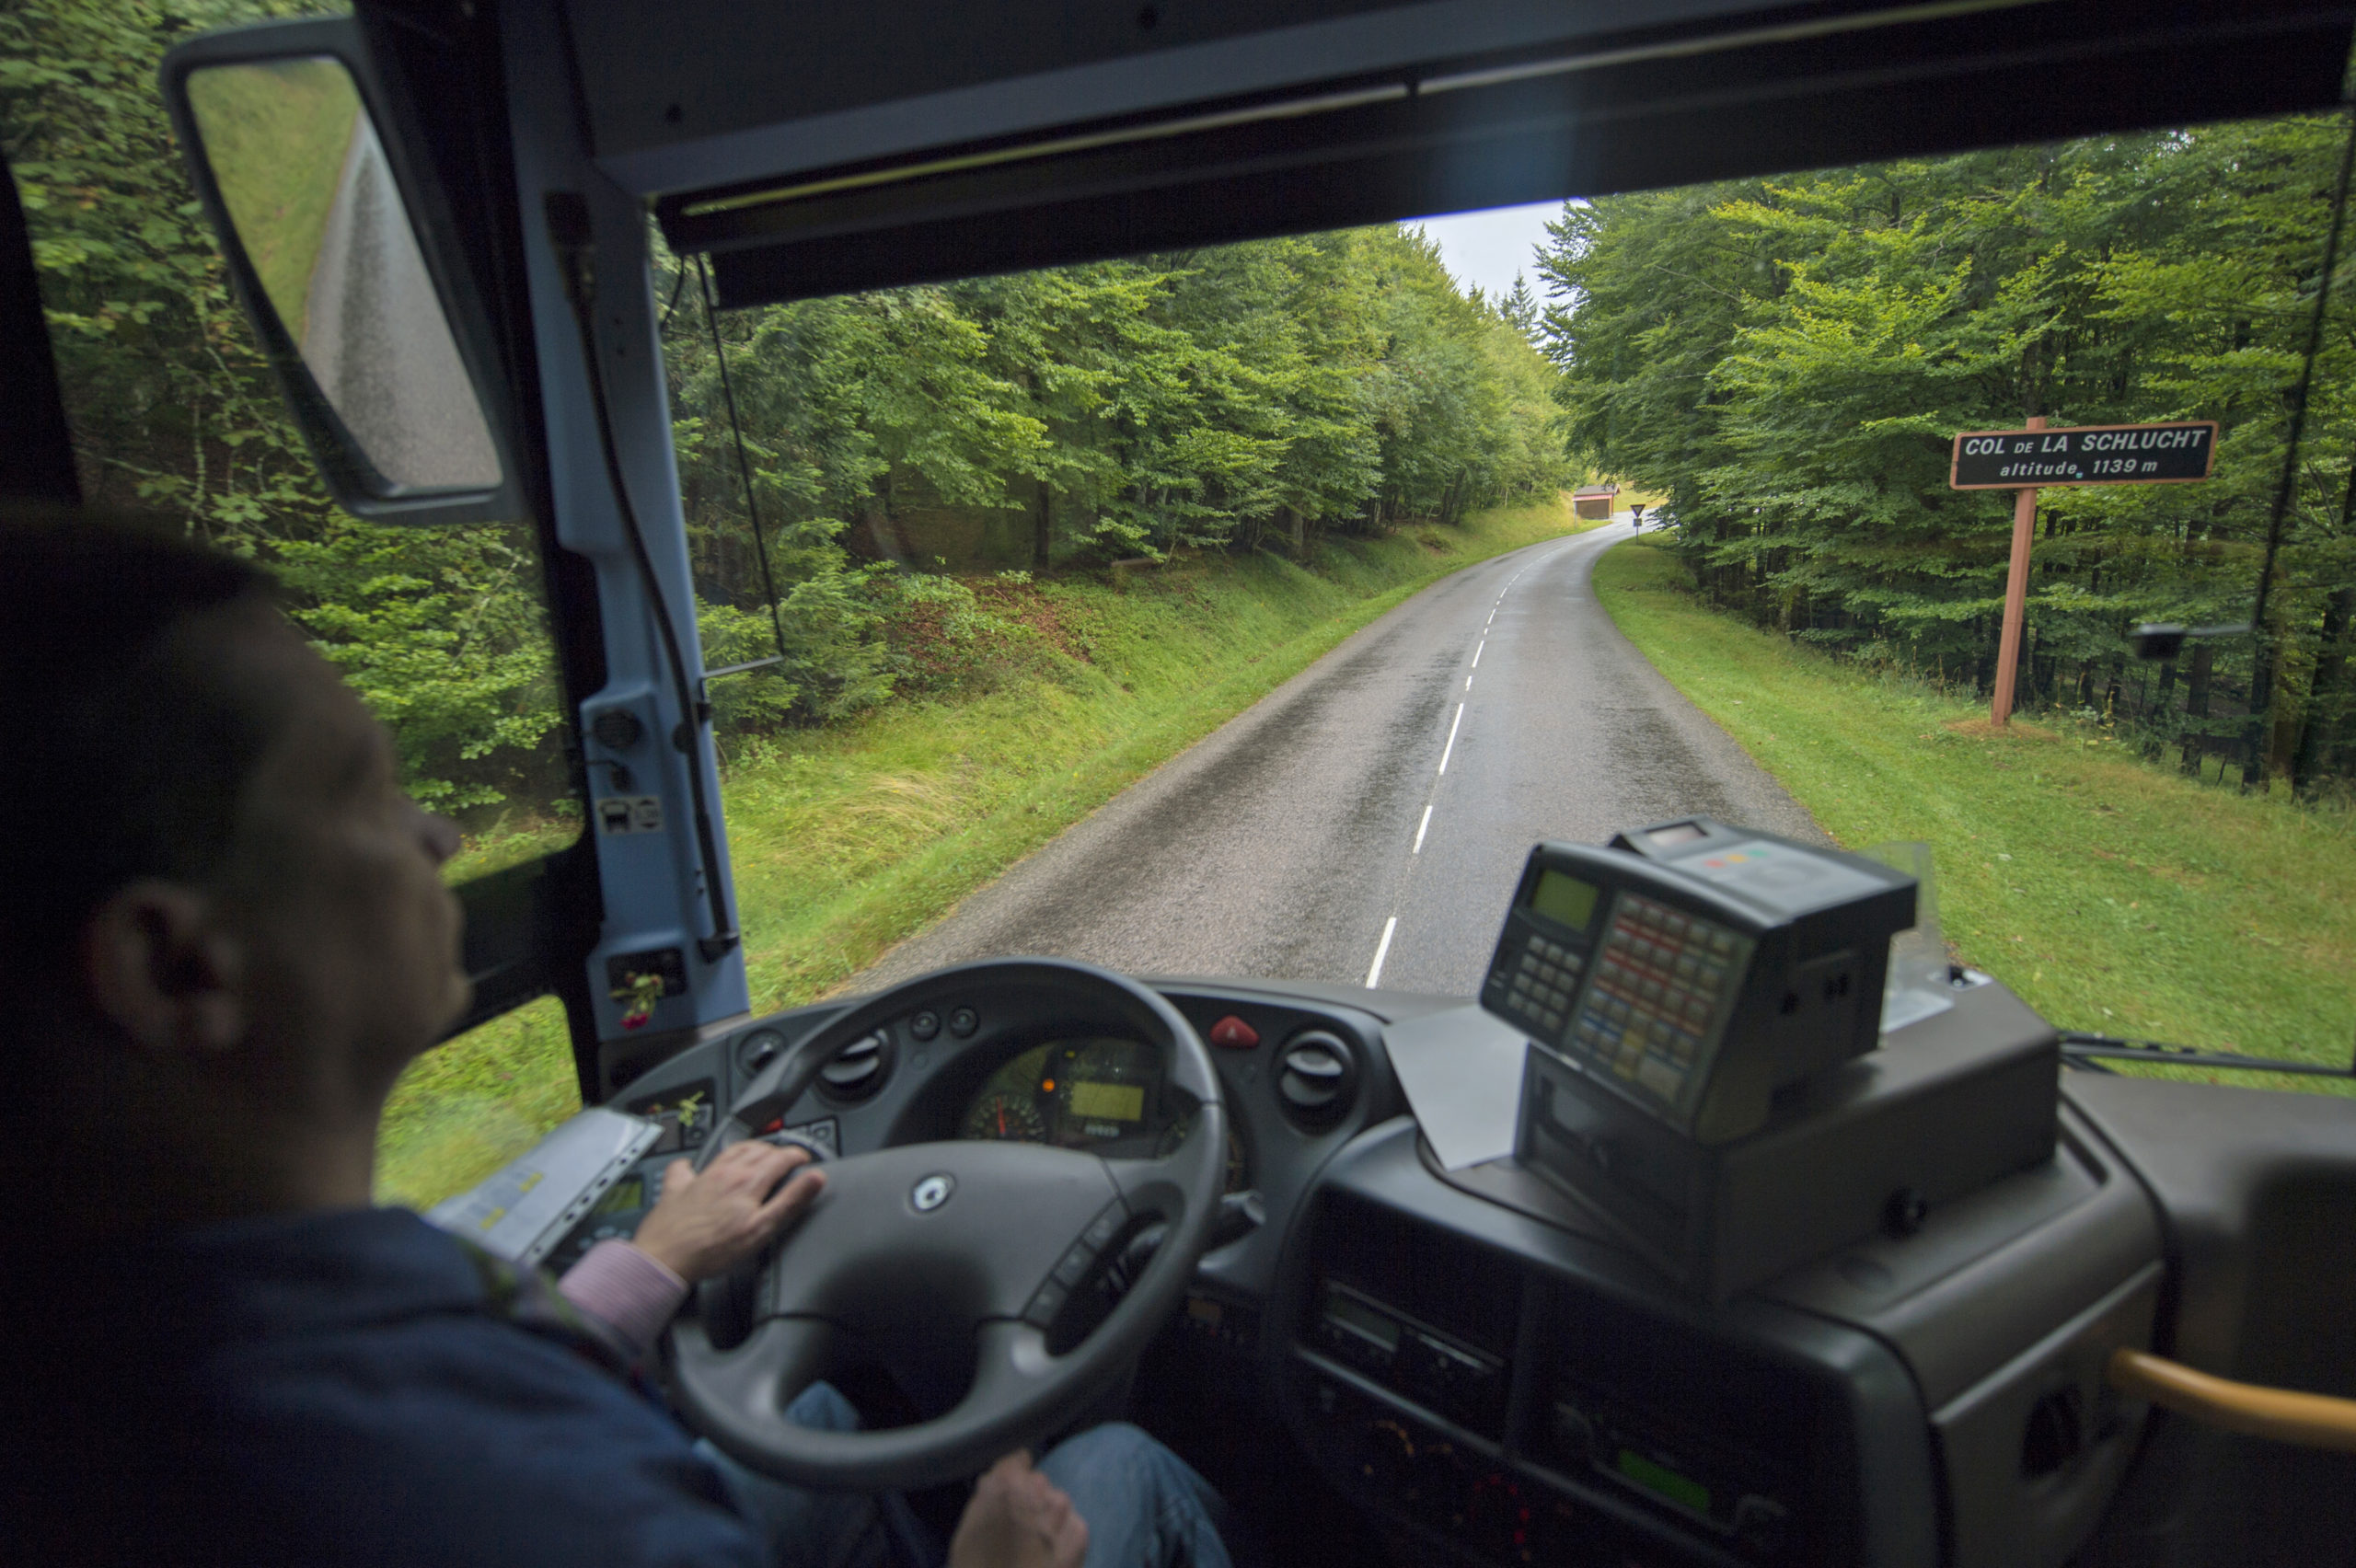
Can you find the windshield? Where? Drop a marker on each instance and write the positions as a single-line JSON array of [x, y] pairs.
[[1252, 611]]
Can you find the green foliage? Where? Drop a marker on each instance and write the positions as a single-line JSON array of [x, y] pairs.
[[1331, 383], [1789, 360], [1217, 399], [441, 634], [174, 411]]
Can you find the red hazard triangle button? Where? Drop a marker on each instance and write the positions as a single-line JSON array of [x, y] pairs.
[[1234, 1033]]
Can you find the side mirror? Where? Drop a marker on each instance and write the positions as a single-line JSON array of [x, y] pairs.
[[318, 208]]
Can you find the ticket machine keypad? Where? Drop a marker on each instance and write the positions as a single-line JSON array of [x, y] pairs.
[[1658, 1001], [1539, 993]]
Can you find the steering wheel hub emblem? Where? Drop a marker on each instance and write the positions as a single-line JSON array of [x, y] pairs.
[[931, 1193]]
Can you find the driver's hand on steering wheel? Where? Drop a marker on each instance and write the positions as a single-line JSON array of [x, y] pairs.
[[1017, 1518], [705, 1224]]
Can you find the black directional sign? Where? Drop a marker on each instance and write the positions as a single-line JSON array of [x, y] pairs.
[[2084, 454]]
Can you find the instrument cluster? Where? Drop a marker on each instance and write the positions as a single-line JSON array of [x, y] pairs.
[[1101, 1094]]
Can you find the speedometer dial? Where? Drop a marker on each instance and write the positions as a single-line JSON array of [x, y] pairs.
[[1010, 1116]]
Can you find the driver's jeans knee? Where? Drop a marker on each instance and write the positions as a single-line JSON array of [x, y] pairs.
[[1145, 1507], [802, 1528]]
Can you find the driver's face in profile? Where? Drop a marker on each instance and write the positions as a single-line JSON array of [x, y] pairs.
[[335, 881]]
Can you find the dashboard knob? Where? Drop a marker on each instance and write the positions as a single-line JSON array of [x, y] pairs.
[[757, 1050]]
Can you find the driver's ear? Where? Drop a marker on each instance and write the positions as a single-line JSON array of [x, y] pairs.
[[160, 962]]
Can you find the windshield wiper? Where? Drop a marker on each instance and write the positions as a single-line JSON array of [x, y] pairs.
[[2081, 1049]]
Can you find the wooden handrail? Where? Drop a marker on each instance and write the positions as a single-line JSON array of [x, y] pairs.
[[2311, 1421]]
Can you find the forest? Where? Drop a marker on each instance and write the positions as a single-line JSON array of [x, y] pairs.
[[1789, 359], [905, 452], [1253, 397]]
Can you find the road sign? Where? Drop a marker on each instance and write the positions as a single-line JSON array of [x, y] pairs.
[[2083, 454]]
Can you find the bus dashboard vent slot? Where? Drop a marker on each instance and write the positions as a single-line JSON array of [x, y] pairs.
[[858, 1069], [1317, 1077]]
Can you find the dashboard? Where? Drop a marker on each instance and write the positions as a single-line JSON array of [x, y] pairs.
[[1301, 1069], [1494, 1378]]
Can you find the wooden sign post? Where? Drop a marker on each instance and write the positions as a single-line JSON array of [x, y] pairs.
[[2008, 647], [2027, 460]]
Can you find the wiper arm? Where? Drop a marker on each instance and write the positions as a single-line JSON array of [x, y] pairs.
[[2080, 1046]]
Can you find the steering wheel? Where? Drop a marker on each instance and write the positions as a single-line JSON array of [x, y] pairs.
[[932, 1237]]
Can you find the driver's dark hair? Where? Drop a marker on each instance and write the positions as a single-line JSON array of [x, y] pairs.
[[126, 749]]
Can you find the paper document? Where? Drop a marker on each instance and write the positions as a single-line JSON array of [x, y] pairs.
[[1461, 1072]]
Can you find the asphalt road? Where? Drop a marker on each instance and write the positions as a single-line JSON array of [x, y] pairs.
[[1382, 801], [377, 344]]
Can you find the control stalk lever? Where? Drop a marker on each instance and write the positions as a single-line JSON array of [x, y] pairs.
[[1239, 1213]]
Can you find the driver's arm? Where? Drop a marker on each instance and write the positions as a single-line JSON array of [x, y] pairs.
[[703, 1225]]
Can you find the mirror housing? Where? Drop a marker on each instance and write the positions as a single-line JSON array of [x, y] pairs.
[[459, 469]]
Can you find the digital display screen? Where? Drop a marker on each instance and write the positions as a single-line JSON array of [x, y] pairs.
[[1659, 1478], [623, 1197], [1355, 1315], [1108, 1101], [1565, 899]]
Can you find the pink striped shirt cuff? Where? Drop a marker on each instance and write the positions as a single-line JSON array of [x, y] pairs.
[[626, 1290]]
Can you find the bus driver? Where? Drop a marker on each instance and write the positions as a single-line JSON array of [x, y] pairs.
[[227, 934]]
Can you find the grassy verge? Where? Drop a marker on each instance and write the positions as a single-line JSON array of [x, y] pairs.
[[2113, 894], [846, 840]]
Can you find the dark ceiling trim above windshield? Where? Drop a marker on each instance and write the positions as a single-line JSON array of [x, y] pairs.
[[699, 93], [1332, 96], [1767, 101]]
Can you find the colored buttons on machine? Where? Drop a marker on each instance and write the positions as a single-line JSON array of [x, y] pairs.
[[1232, 1034], [1658, 986]]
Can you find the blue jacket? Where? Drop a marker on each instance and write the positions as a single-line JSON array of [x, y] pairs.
[[342, 1389]]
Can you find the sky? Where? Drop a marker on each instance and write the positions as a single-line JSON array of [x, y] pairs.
[[1487, 248]]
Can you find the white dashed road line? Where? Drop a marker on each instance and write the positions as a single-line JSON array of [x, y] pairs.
[[1374, 974], [1383, 951], [1450, 749]]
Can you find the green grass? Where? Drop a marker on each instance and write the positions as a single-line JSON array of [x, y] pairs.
[[848, 839], [2114, 894], [275, 136]]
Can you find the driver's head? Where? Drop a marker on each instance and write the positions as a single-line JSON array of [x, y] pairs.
[[219, 903]]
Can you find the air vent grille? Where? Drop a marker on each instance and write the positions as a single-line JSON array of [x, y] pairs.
[[858, 1069], [1316, 1078]]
